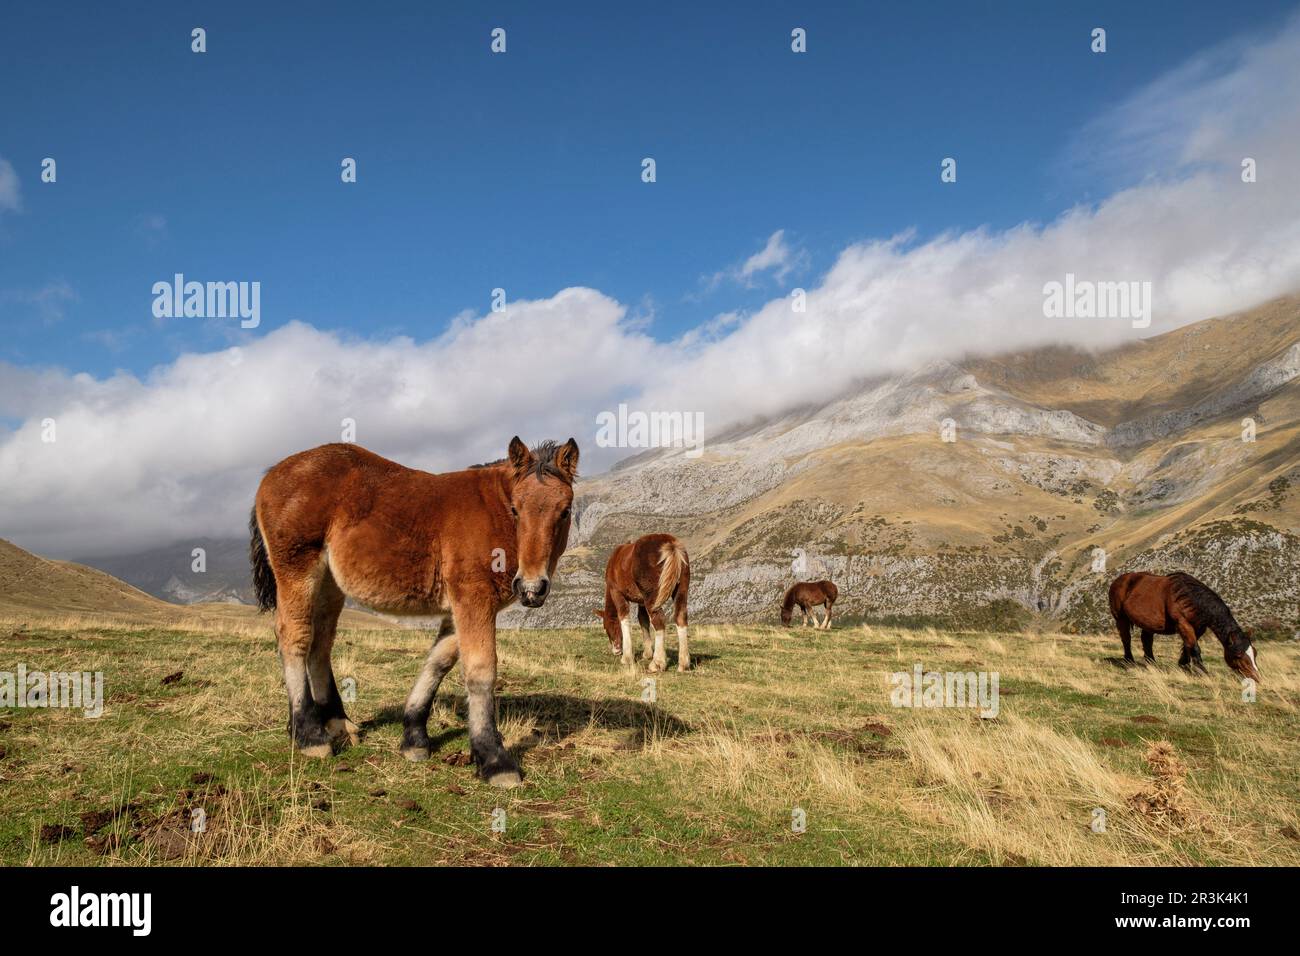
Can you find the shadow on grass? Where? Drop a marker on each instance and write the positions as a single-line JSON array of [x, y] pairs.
[[557, 716]]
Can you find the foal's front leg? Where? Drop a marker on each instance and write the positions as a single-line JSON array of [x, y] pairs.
[[1191, 656], [659, 661], [643, 617], [623, 609], [476, 625], [1148, 650]]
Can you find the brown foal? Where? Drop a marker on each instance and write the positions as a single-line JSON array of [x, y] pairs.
[[807, 597], [647, 572], [339, 521]]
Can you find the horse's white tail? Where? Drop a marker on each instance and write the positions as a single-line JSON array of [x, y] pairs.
[[672, 558]]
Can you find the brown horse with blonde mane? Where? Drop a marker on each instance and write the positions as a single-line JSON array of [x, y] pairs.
[[647, 572], [339, 521], [807, 597], [1178, 604]]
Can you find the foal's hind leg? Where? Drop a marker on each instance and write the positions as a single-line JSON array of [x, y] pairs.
[[679, 616], [442, 657], [293, 626], [1148, 651], [826, 624], [320, 672]]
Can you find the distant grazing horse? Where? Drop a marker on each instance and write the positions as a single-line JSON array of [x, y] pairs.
[[341, 521], [1178, 604], [647, 572], [807, 597]]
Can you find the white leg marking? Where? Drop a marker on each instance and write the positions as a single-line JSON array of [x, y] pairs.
[[683, 650], [626, 627], [660, 661]]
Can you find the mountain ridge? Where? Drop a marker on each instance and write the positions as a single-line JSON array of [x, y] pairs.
[[1056, 452]]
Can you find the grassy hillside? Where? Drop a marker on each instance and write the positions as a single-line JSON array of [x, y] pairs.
[[769, 721], [32, 587]]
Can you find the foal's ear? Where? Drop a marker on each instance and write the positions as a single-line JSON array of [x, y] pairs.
[[566, 459], [521, 459], [598, 612]]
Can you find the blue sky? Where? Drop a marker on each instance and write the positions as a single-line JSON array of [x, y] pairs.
[[522, 170]]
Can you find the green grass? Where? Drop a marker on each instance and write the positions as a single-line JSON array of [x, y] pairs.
[[770, 720]]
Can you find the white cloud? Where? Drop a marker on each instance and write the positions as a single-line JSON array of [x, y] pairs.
[[777, 257], [10, 197], [179, 452]]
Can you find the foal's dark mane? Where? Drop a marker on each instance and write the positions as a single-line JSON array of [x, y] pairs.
[[544, 464], [1208, 604]]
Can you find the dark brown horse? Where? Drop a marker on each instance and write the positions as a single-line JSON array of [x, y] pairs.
[[807, 597], [341, 521], [1178, 604], [647, 572]]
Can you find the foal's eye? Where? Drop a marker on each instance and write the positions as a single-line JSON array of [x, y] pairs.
[[513, 512], [564, 514]]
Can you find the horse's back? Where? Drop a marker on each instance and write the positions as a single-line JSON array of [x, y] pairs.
[[1143, 598], [380, 525]]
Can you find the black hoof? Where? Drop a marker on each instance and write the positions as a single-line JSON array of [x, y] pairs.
[[415, 744], [500, 771]]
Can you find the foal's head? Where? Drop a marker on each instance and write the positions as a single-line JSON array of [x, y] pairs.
[[541, 502], [613, 630]]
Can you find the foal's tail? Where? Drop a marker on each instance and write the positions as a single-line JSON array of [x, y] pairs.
[[672, 559], [263, 578]]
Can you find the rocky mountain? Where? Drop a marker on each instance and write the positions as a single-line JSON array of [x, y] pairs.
[[988, 491], [984, 492], [175, 573]]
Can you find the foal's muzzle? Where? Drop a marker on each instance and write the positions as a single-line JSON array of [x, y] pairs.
[[532, 593]]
